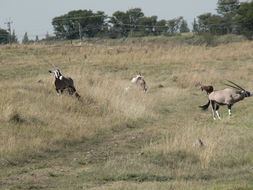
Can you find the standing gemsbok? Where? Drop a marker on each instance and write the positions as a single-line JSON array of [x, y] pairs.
[[63, 83], [228, 96]]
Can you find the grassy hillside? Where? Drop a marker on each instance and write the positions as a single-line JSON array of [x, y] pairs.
[[113, 139]]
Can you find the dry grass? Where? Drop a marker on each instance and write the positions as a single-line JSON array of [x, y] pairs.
[[132, 140]]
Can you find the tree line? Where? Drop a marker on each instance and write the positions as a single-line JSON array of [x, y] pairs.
[[86, 23], [7, 37], [233, 17]]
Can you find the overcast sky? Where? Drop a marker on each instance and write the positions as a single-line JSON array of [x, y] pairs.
[[35, 16]]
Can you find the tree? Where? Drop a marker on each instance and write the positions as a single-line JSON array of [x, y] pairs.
[[174, 25], [36, 38], [147, 25], [195, 26], [4, 36], [79, 23], [245, 18], [161, 27], [126, 22], [47, 36], [227, 7], [120, 22], [14, 38], [203, 22], [218, 25], [25, 39], [214, 24], [183, 27], [134, 15]]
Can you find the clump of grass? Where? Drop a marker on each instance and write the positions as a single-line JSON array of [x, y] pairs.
[[137, 177], [12, 115], [172, 159]]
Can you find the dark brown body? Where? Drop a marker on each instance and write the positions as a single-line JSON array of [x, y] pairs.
[[142, 84], [208, 89], [64, 83]]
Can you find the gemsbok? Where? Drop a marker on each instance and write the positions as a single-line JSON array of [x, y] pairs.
[[228, 96], [139, 81], [64, 83]]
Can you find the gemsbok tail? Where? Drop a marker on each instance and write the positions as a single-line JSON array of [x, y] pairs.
[[77, 95], [72, 91], [204, 107]]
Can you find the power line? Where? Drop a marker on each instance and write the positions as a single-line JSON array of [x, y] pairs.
[[79, 17]]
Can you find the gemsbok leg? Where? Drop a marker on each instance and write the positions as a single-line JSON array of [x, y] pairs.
[[58, 91], [229, 110], [216, 111], [213, 107]]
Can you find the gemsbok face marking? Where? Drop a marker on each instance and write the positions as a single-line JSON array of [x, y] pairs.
[[57, 73], [139, 81], [63, 83], [228, 96]]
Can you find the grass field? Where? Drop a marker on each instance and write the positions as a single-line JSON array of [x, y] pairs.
[[119, 140]]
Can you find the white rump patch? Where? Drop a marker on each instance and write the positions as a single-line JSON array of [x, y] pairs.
[[134, 80]]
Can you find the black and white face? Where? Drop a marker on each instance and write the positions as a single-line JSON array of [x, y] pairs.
[[247, 94], [56, 73]]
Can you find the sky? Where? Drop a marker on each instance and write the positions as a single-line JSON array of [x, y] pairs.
[[35, 16]]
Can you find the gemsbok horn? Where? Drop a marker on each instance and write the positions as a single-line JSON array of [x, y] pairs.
[[64, 83], [228, 96]]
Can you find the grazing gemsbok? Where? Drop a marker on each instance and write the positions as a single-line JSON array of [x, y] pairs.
[[63, 83], [228, 96], [208, 89], [139, 81]]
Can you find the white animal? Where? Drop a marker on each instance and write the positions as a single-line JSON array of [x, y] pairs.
[[139, 81]]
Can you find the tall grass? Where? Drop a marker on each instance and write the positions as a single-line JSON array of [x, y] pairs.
[[35, 118]]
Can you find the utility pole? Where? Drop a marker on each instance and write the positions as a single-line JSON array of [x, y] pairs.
[[131, 26], [80, 31], [8, 23]]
